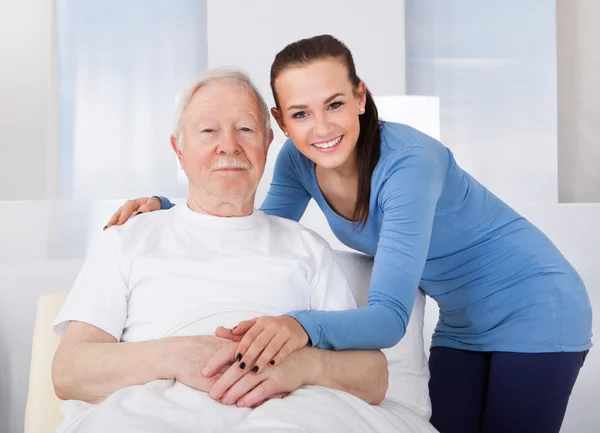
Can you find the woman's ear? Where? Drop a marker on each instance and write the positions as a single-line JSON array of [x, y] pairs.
[[361, 94], [279, 119]]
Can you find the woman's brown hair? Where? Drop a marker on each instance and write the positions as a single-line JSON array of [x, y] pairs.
[[321, 47]]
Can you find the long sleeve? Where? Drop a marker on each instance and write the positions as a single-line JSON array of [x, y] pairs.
[[408, 199], [165, 203], [287, 198]]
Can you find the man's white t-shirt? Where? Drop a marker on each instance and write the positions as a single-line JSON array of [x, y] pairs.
[[179, 272]]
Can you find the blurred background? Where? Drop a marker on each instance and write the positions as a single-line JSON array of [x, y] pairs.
[[88, 91]]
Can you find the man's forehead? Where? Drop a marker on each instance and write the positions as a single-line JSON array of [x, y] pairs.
[[232, 99]]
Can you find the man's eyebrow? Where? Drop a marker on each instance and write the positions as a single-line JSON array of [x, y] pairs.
[[304, 107]]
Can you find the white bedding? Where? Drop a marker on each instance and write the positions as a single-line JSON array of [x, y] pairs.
[[167, 406]]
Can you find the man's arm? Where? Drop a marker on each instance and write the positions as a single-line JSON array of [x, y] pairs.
[[90, 365], [361, 373]]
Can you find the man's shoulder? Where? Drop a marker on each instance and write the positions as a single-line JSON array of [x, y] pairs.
[[290, 228], [139, 226]]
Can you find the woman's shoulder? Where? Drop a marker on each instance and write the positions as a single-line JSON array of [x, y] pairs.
[[402, 143], [291, 159], [398, 137]]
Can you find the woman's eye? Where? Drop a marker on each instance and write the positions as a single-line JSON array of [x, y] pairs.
[[335, 105], [299, 115]]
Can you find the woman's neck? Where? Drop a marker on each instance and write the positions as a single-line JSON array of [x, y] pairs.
[[347, 171]]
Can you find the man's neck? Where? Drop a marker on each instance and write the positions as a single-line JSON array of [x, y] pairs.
[[215, 206]]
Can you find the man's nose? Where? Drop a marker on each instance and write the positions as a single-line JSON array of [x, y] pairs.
[[228, 143]]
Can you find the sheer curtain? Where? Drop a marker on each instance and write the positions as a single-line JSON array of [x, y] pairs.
[[121, 65], [493, 66]]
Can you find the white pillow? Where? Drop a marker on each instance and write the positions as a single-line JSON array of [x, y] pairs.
[[407, 362]]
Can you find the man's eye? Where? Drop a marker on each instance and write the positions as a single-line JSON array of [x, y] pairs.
[[246, 129], [208, 130], [299, 115]]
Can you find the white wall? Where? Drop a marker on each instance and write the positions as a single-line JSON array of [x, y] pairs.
[[250, 34], [28, 127], [578, 100], [493, 66]]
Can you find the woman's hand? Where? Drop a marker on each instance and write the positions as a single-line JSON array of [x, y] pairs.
[[133, 207], [234, 386], [266, 340]]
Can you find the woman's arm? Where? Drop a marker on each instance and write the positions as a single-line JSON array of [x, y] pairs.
[[408, 198], [287, 198]]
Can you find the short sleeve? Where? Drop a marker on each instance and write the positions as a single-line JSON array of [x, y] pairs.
[[99, 295]]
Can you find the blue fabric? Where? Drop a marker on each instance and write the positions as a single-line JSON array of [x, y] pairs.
[[500, 283], [500, 392]]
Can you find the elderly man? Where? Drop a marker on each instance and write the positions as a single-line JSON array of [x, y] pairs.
[[137, 324]]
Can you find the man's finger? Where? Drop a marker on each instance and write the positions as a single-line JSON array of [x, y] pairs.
[[226, 381], [261, 392], [224, 356], [241, 388]]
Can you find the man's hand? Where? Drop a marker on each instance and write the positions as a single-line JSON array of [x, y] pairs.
[[251, 390], [266, 340], [191, 353]]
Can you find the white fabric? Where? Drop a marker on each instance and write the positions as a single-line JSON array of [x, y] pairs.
[[407, 362], [182, 273]]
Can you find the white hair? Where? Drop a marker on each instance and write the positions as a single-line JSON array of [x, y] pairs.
[[239, 77]]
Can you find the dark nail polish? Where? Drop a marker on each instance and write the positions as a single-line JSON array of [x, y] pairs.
[[255, 369], [238, 357], [242, 365], [104, 228], [272, 362]]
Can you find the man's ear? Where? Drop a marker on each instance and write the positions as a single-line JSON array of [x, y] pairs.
[[173, 141], [270, 136], [278, 118]]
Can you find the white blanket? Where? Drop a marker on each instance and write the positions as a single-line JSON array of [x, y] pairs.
[[166, 406]]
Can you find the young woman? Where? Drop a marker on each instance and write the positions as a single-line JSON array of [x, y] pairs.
[[515, 318]]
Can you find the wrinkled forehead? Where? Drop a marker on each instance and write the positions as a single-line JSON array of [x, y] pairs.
[[223, 100]]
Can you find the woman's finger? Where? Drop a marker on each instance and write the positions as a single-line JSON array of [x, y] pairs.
[[127, 209], [246, 342], [150, 205], [257, 347], [243, 327], [113, 219], [284, 352], [222, 332], [274, 347]]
